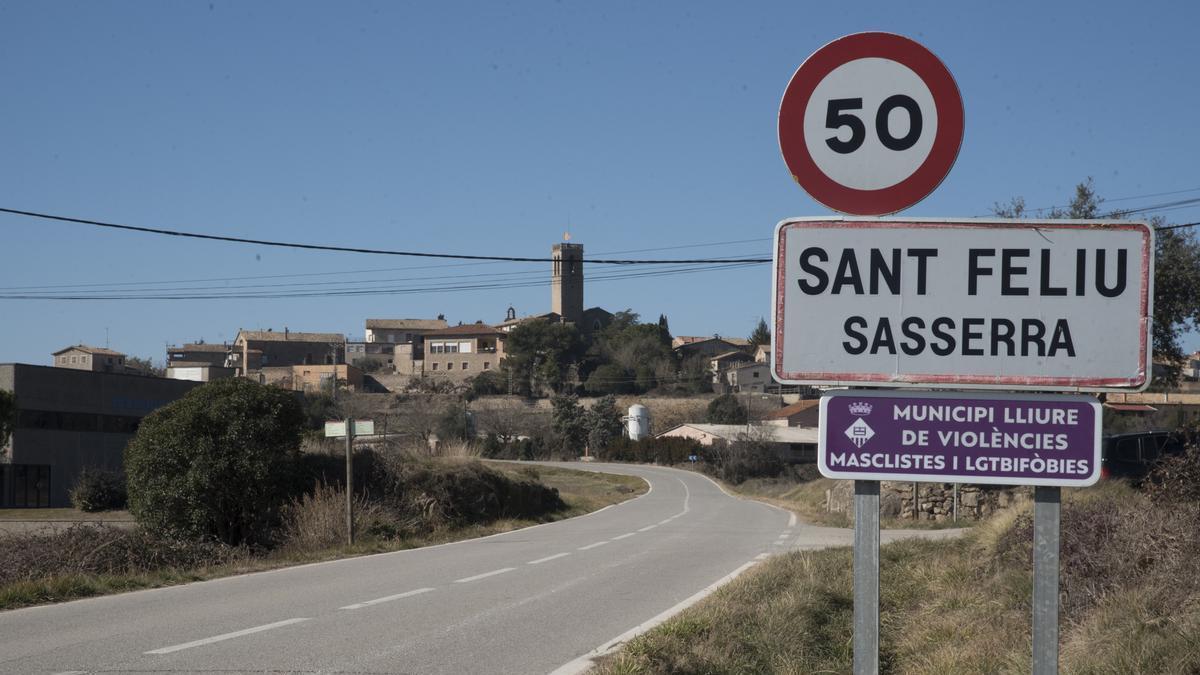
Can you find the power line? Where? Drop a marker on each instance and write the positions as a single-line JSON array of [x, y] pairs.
[[1166, 206], [1120, 199], [303, 275], [1176, 227], [349, 249], [367, 291]]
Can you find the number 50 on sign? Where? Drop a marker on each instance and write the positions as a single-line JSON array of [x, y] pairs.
[[870, 124]]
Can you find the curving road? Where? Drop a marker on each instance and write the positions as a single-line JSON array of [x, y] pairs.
[[531, 601]]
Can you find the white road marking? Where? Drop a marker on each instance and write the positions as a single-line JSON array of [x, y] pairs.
[[647, 528], [591, 546], [664, 522], [792, 520], [584, 663], [226, 636], [485, 575], [72, 672], [376, 601], [624, 536], [547, 558], [761, 556]]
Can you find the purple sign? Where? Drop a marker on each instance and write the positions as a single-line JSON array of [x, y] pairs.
[[1005, 439]]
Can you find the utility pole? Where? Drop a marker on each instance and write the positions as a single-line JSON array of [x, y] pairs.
[[349, 481]]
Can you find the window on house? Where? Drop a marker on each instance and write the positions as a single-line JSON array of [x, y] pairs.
[[756, 373], [487, 365], [465, 365], [449, 365], [433, 366], [452, 348]]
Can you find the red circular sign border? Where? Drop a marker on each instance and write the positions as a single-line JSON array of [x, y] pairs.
[[932, 171]]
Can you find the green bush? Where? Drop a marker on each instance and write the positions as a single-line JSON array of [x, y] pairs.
[[318, 408], [487, 383], [522, 448], [433, 494], [609, 378], [743, 460], [726, 409], [667, 450], [219, 463], [98, 490]]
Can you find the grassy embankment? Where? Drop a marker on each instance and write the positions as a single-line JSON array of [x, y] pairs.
[[87, 560], [1130, 601], [807, 499]]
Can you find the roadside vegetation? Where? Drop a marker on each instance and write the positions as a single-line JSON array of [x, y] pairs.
[[219, 485], [1130, 603]]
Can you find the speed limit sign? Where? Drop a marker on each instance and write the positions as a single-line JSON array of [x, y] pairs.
[[870, 124]]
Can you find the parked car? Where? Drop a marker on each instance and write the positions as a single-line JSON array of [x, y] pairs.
[[1132, 455]]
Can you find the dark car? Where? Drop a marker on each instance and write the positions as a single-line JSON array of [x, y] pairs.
[[1133, 455]]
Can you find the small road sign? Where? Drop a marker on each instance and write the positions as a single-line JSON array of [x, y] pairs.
[[1001, 439], [870, 123], [337, 429]]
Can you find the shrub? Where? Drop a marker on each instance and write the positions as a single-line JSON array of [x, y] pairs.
[[103, 549], [726, 409], [667, 450], [98, 490], [609, 378], [488, 383], [603, 422], [455, 423], [521, 448], [317, 520], [1109, 545], [1175, 478], [570, 425], [217, 463], [371, 365], [318, 408], [433, 494], [743, 460]]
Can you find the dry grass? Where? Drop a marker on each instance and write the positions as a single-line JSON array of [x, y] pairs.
[[89, 560], [318, 521], [1130, 583], [457, 450], [807, 498]]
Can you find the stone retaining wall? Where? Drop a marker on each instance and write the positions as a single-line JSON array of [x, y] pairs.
[[934, 501]]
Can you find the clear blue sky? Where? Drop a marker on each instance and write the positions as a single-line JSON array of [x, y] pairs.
[[493, 127]]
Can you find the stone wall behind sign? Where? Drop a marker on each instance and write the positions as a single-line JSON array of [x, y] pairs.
[[934, 501]]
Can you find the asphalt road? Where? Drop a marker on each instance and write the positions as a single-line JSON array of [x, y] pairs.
[[529, 601]]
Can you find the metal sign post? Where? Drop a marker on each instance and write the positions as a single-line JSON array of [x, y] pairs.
[[350, 428], [1045, 441], [1046, 506], [349, 482], [866, 577]]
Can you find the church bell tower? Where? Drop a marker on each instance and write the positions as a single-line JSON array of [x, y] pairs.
[[566, 288]]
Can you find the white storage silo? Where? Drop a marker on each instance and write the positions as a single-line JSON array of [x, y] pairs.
[[638, 422]]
